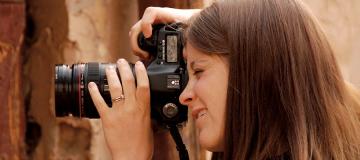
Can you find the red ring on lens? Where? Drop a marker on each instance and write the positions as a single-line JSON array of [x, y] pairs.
[[79, 91]]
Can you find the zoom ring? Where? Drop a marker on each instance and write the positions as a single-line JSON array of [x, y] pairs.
[[92, 71], [91, 74]]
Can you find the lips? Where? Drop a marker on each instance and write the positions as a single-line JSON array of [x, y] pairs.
[[198, 112], [201, 113]]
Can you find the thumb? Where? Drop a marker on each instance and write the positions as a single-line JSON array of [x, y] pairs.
[[147, 31]]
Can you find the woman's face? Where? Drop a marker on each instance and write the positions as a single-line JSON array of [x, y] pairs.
[[205, 95]]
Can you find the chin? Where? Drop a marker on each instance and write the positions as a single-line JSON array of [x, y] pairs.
[[211, 143]]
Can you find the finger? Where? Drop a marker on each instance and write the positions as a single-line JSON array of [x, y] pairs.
[[113, 82], [154, 15], [147, 20], [127, 79], [134, 33], [143, 86], [97, 99]]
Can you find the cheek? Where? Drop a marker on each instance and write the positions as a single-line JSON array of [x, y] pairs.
[[203, 89], [212, 88], [212, 93]]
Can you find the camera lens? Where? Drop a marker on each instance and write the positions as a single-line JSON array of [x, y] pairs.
[[72, 97]]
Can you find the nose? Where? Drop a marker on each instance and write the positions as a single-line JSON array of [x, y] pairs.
[[187, 96]]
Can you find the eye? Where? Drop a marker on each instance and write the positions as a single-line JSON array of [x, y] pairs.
[[197, 72]]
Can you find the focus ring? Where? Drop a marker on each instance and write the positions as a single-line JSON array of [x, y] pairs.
[[91, 74], [92, 71]]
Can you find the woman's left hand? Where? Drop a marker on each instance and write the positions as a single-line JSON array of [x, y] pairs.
[[126, 124]]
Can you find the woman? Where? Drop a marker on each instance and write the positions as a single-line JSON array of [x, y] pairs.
[[263, 84]]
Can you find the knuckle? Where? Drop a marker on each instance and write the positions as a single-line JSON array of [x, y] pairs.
[[133, 28], [143, 87], [149, 10], [144, 24], [137, 54], [129, 79], [117, 87], [132, 32]]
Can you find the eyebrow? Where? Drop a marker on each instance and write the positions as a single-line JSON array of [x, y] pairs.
[[198, 61]]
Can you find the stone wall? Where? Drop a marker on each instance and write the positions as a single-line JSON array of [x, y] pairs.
[[12, 117], [341, 23], [74, 31], [67, 31], [340, 20]]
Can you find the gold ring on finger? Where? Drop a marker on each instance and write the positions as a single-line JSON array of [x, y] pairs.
[[117, 99]]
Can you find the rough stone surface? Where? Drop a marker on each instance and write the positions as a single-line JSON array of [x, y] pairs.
[[12, 120], [341, 23], [47, 28], [67, 31]]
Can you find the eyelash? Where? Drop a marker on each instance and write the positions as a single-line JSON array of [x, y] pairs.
[[197, 72]]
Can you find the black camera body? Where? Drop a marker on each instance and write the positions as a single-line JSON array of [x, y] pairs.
[[166, 71]]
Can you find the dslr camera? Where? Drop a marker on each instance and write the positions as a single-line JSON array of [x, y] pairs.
[[166, 71]]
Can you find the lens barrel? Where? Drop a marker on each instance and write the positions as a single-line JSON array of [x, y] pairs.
[[72, 97]]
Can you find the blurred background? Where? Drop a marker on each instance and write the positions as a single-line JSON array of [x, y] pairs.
[[37, 34]]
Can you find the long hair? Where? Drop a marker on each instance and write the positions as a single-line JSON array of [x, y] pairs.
[[286, 96]]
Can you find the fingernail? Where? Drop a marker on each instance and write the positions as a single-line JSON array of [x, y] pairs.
[[91, 85], [109, 68], [138, 63], [147, 35], [121, 60]]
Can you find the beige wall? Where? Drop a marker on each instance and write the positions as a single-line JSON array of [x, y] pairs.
[[341, 23], [340, 20], [68, 31]]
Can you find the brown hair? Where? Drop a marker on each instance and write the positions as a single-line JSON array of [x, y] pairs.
[[286, 95]]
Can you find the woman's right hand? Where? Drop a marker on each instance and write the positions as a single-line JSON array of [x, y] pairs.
[[155, 15]]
